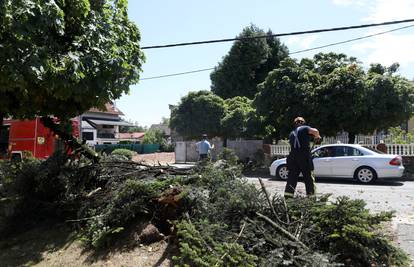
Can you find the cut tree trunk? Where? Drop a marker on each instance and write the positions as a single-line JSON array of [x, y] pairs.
[[70, 140]]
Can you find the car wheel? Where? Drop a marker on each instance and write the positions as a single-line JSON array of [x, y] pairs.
[[365, 175], [282, 172]]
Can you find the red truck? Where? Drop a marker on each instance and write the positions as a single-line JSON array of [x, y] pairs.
[[19, 137]]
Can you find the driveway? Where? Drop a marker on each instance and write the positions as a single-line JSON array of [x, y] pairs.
[[385, 195]]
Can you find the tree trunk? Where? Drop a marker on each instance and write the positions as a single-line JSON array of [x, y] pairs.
[[70, 141], [351, 138]]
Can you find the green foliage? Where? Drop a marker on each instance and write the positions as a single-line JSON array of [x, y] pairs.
[[396, 135], [130, 200], [219, 216], [351, 232], [247, 64], [153, 136], [198, 246], [124, 152], [228, 155], [314, 88], [132, 129], [240, 118], [17, 177], [198, 113], [290, 86], [64, 57], [390, 101]]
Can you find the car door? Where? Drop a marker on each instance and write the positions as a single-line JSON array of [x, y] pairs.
[[344, 160], [322, 161]]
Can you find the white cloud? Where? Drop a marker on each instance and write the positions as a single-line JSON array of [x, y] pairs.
[[349, 2], [386, 10], [381, 10], [387, 49], [302, 42], [292, 40], [308, 40]]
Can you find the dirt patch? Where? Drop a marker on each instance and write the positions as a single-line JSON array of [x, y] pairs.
[[58, 246], [162, 158]]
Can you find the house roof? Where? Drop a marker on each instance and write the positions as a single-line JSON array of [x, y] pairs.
[[110, 108], [134, 135], [108, 122]]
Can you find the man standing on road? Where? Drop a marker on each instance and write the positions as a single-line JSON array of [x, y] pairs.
[[300, 159], [203, 148]]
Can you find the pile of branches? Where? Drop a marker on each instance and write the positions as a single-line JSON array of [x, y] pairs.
[[216, 217]]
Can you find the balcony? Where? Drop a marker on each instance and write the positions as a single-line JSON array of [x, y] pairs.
[[106, 135]]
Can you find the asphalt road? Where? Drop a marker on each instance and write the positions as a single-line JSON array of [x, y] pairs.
[[384, 195]]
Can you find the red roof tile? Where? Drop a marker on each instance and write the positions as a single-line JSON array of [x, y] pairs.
[[135, 135]]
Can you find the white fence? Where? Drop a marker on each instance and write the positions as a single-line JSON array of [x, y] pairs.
[[397, 149], [363, 139]]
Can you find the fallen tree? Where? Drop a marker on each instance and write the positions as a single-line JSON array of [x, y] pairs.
[[215, 217]]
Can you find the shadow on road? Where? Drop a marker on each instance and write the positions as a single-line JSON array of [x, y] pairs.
[[335, 180], [378, 182]]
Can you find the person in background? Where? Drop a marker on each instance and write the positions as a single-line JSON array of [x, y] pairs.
[[203, 148], [300, 158]]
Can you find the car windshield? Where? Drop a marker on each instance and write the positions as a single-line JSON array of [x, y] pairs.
[[374, 150]]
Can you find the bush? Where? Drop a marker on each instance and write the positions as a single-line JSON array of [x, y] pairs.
[[201, 248], [124, 152], [228, 155], [167, 147], [153, 137]]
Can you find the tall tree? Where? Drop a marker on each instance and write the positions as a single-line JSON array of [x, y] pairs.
[[390, 97], [62, 57], [247, 64], [198, 113], [334, 93], [285, 94], [240, 119]]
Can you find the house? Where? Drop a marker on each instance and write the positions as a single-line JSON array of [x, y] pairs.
[[102, 126], [135, 137]]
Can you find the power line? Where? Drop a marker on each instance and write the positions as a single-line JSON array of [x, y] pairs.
[[351, 40], [291, 53], [281, 34]]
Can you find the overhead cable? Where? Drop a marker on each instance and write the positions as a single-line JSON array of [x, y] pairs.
[[281, 34], [291, 53]]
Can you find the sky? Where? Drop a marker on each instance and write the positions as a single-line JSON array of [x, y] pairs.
[[174, 21]]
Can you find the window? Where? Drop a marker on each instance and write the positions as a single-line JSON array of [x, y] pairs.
[[346, 151], [323, 152], [354, 152], [87, 135]]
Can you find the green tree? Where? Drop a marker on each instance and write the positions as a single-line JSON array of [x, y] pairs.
[[285, 94], [334, 94], [63, 57], [154, 136], [240, 119], [390, 98], [247, 64], [341, 102], [132, 129], [197, 113]]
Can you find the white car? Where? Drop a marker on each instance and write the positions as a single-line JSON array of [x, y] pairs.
[[347, 161]]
